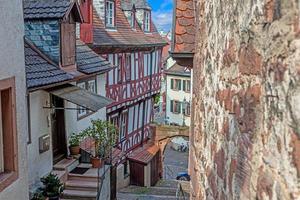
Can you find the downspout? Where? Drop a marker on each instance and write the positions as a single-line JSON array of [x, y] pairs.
[[150, 90]]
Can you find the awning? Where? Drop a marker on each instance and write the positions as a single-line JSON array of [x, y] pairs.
[[81, 97]]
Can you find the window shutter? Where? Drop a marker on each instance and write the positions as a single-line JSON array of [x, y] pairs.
[[172, 84], [179, 85], [179, 106], [171, 106], [184, 85]]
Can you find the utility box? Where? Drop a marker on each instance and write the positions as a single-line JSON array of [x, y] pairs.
[[44, 143]]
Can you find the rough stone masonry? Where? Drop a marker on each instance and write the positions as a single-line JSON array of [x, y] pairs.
[[245, 140]]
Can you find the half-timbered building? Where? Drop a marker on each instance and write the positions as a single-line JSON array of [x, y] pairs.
[[124, 33]]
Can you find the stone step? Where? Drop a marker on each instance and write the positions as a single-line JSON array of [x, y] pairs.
[[79, 195], [79, 177], [81, 185], [67, 164], [62, 175], [150, 191], [128, 196]]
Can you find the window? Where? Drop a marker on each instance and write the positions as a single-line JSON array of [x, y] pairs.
[[120, 64], [68, 43], [128, 67], [89, 85], [175, 84], [147, 21], [115, 120], [132, 19], [175, 106], [186, 109], [110, 14], [187, 86], [8, 134], [126, 173], [123, 125], [81, 110]]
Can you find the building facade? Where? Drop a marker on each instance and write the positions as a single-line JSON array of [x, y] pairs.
[[66, 90], [178, 95], [13, 117], [124, 33], [245, 117]]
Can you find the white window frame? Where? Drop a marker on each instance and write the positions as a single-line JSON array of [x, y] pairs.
[[91, 86], [123, 125], [110, 13], [175, 111], [132, 19], [147, 21], [81, 110]]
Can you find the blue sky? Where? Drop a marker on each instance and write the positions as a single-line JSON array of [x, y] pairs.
[[162, 13]]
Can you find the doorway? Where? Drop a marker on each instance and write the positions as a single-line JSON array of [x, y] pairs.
[[59, 144]]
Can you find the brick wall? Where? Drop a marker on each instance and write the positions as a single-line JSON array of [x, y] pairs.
[[245, 140]]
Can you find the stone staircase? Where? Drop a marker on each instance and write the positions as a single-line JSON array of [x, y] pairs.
[[81, 187], [77, 186], [164, 189]]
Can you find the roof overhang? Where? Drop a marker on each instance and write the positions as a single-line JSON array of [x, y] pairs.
[[183, 58], [80, 97], [144, 155]]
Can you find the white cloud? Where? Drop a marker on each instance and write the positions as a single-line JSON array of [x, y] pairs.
[[163, 19]]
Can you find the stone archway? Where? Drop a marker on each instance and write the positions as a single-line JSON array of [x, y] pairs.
[[162, 135]]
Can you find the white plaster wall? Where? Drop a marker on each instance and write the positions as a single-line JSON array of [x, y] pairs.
[[73, 125], [147, 178], [121, 180], [179, 96], [12, 65], [40, 164], [170, 62], [105, 190]]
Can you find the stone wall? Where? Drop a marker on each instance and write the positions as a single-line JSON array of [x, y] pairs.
[[245, 140]]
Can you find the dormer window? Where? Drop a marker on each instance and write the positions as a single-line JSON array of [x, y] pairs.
[[110, 13], [147, 19], [132, 19]]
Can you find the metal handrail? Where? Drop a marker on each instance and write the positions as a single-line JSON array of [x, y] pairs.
[[168, 170], [180, 193]]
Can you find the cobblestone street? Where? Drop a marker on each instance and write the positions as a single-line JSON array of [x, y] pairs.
[[174, 162]]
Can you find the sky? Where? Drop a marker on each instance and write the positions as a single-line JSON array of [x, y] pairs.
[[162, 13]]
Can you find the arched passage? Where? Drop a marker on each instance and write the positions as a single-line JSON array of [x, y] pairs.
[[163, 136], [174, 158]]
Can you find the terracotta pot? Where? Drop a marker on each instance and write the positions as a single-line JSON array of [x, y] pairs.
[[74, 150], [96, 162]]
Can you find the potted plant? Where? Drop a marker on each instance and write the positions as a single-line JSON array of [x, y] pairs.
[[74, 142], [38, 196], [52, 187], [104, 136]]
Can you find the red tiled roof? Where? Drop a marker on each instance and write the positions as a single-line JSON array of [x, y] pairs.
[[184, 27], [123, 35], [144, 154], [166, 49]]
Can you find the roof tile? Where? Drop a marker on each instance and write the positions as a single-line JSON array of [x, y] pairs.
[[184, 30], [39, 72]]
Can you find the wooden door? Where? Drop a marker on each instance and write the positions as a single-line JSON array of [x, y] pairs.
[[155, 169], [59, 144], [137, 174], [113, 183]]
